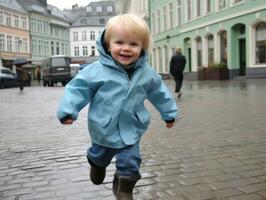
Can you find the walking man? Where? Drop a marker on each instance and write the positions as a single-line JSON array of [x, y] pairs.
[[177, 66]]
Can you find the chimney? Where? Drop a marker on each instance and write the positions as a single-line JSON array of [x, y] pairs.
[[74, 7]]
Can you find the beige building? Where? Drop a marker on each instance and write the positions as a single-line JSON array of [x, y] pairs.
[[14, 33]]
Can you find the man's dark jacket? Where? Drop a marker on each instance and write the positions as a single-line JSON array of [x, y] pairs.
[[177, 63]]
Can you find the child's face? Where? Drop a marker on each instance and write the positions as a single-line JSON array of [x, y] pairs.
[[125, 48]]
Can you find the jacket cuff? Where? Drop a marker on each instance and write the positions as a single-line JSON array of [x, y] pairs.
[[170, 121], [62, 120]]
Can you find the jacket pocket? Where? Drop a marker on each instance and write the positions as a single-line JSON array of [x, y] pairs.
[[102, 120], [143, 116]]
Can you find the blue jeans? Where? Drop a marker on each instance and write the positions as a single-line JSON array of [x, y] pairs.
[[128, 159]]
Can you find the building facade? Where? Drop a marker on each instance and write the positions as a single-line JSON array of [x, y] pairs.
[[87, 27], [49, 30], [231, 32], [14, 33]]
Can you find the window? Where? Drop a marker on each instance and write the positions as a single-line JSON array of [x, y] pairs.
[[222, 4], [160, 60], [2, 42], [84, 35], [83, 21], [46, 48], [158, 22], [208, 6], [16, 21], [210, 50], [164, 19], [99, 9], [189, 10], [25, 45], [8, 19], [109, 9], [76, 51], [89, 9], [17, 44], [178, 4], [198, 8], [45, 27], [261, 43], [75, 36], [57, 48], [1, 17], [92, 50], [153, 22], [34, 47], [52, 48], [223, 47], [24, 22], [171, 15], [34, 25], [199, 51], [40, 47], [63, 48], [39, 25], [56, 31], [92, 35], [85, 50], [9, 43]]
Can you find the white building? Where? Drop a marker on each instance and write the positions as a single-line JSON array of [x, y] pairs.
[[87, 27]]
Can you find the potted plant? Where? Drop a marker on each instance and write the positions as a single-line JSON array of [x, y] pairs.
[[217, 71], [202, 72]]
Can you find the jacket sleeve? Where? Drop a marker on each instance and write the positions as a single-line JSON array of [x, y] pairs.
[[163, 100], [76, 96]]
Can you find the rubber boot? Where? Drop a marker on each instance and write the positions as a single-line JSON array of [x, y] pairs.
[[97, 173], [123, 186]]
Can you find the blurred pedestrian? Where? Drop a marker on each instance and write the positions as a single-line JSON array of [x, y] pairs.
[[38, 74], [116, 87], [177, 66], [22, 74]]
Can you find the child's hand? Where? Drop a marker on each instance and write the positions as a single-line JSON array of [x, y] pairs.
[[170, 124], [68, 122]]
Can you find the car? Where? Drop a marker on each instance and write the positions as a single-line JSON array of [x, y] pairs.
[[7, 78]]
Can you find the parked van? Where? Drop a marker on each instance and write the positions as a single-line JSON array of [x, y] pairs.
[[56, 69]]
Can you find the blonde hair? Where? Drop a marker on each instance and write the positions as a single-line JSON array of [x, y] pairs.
[[178, 50], [131, 24]]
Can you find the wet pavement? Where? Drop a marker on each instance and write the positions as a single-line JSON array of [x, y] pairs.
[[217, 149]]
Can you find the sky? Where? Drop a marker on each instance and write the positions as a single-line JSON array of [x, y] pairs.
[[61, 4]]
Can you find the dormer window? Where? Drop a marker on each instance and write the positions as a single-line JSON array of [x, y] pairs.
[[99, 9], [89, 9], [109, 9], [83, 21]]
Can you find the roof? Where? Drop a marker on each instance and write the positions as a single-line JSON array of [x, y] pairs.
[[42, 8], [12, 5], [91, 17]]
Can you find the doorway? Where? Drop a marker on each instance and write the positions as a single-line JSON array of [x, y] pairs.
[[242, 57]]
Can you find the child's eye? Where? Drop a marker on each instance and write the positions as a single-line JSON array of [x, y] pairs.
[[118, 42], [134, 44]]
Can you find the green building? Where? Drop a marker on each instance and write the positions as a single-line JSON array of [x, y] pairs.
[[210, 32], [49, 30]]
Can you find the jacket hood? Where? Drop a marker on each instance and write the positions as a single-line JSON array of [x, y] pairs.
[[107, 59]]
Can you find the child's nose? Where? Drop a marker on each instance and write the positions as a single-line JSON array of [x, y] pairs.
[[126, 47]]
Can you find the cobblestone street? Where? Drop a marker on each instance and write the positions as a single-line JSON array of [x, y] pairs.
[[216, 150]]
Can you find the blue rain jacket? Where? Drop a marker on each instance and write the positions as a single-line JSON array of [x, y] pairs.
[[117, 116]]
